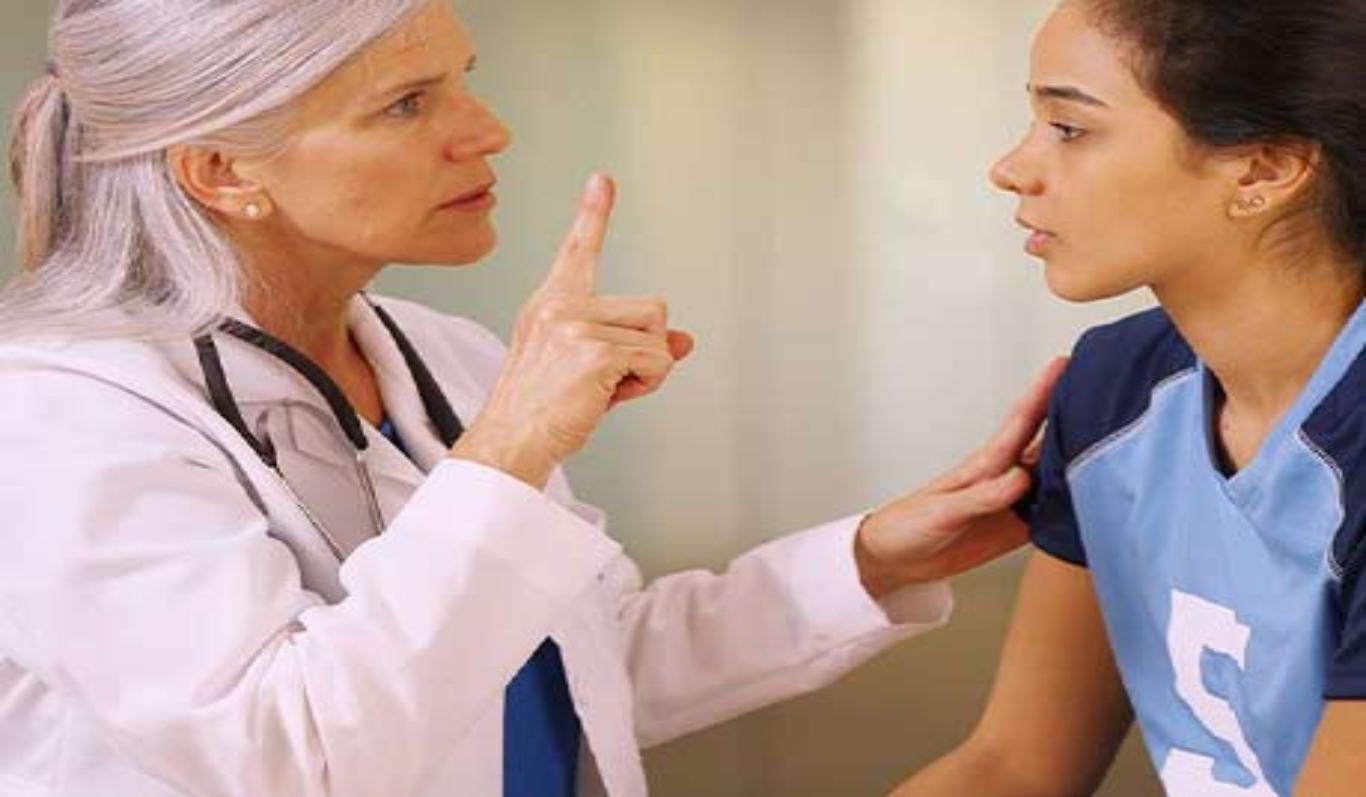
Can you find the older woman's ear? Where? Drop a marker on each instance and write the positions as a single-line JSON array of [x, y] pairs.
[[211, 179]]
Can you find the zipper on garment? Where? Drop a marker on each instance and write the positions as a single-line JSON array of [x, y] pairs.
[[371, 496], [312, 518]]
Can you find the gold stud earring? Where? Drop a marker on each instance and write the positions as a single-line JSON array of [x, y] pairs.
[[1249, 207]]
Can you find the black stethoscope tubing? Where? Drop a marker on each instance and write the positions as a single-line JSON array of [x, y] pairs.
[[434, 401]]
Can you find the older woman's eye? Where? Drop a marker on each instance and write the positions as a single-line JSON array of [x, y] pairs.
[[408, 106]]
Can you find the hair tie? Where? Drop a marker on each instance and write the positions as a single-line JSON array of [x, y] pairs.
[[64, 103]]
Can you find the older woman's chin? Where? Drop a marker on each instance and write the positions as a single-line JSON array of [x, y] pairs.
[[461, 251]]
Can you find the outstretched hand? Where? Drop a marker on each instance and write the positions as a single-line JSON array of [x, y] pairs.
[[964, 518]]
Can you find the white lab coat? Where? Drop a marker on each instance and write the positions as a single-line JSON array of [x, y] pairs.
[[171, 623]]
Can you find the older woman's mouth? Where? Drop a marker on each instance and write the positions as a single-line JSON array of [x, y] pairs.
[[479, 199]]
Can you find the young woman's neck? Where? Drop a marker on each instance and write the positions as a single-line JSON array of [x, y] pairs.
[[1263, 327]]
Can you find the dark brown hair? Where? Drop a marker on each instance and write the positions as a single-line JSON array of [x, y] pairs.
[[1238, 72]]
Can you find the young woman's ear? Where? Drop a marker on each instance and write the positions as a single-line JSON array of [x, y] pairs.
[[1274, 177]]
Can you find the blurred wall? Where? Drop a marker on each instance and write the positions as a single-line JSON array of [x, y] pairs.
[[23, 48], [805, 180]]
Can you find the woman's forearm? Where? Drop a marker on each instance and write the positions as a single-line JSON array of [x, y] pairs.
[[974, 769], [1056, 655]]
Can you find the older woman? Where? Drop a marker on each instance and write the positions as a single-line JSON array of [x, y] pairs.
[[267, 535]]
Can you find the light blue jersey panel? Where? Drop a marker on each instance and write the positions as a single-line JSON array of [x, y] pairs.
[[1219, 597], [1225, 673]]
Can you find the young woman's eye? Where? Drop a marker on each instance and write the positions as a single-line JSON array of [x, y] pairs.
[[1067, 132], [408, 106]]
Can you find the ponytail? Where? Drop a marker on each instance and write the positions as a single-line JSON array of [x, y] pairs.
[[37, 147], [109, 244]]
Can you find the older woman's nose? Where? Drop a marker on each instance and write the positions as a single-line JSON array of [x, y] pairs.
[[477, 132]]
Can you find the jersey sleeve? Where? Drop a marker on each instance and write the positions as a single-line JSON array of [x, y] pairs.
[[1107, 385], [1337, 432], [1347, 670], [1346, 677], [1052, 522]]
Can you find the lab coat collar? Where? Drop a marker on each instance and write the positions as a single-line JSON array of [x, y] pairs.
[[402, 400], [258, 378]]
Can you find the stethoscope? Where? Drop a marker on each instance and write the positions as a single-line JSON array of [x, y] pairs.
[[438, 408]]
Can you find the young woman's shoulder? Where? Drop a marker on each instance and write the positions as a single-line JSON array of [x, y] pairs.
[[1133, 354], [1115, 372], [1335, 433]]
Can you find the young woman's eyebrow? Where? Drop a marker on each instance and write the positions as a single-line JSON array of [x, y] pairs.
[[1066, 94]]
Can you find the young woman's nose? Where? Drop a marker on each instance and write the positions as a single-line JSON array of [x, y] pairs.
[[1014, 174]]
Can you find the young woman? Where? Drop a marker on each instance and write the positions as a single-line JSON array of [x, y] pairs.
[[1203, 484]]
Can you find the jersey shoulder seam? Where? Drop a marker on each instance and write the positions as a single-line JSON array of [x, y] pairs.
[[1095, 450], [1335, 568]]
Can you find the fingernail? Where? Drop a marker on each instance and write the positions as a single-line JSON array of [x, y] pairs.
[[598, 185]]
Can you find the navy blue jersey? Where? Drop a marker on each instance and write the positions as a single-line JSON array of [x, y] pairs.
[[1232, 604]]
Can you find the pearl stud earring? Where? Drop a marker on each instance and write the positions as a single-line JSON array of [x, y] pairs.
[[253, 210]]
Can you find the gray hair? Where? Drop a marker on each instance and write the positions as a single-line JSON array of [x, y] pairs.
[[109, 244]]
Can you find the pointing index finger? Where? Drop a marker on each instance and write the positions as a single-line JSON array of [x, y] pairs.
[[576, 267]]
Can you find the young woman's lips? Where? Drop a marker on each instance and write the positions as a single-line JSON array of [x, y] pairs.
[[480, 199], [1039, 242]]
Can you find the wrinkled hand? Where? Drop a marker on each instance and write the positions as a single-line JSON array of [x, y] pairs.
[[574, 356], [962, 519]]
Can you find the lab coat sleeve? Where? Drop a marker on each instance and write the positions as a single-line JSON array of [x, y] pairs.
[[786, 618], [139, 579]]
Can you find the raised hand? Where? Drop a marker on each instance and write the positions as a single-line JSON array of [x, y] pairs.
[[574, 356]]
